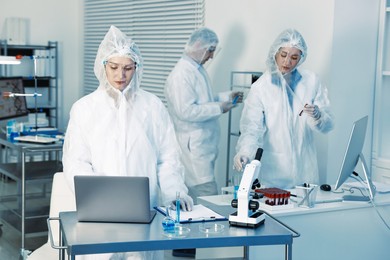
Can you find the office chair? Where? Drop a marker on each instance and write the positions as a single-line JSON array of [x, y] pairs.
[[62, 199]]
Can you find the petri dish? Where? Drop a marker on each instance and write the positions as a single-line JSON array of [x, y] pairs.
[[211, 228], [178, 232]]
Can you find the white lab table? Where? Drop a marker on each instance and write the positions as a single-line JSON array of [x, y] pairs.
[[331, 230], [79, 238]]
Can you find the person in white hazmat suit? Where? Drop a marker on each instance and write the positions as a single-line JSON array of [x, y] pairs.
[[195, 112], [120, 129], [283, 109]]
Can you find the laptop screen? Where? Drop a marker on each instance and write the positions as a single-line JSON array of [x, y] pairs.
[[113, 199]]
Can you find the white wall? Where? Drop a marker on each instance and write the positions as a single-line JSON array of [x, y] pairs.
[[336, 32], [55, 20], [353, 75]]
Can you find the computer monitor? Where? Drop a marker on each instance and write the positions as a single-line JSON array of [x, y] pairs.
[[12, 107], [352, 156]]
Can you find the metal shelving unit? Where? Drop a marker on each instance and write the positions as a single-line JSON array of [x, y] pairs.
[[239, 81], [45, 73], [25, 163], [31, 166]]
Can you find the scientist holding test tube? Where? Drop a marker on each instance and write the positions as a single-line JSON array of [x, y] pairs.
[[283, 109]]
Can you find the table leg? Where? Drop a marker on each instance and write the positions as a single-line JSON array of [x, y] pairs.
[[246, 252], [62, 249], [288, 251], [23, 190]]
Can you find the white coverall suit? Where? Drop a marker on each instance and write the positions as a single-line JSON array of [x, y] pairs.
[[195, 112], [124, 133], [271, 120]]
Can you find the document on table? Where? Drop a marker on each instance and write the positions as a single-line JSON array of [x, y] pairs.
[[199, 213]]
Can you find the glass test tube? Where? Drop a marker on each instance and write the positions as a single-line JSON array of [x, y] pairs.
[[177, 207]]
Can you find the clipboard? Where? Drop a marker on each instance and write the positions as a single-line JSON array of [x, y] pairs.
[[199, 213]]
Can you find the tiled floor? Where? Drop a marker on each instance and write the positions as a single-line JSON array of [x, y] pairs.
[[10, 239]]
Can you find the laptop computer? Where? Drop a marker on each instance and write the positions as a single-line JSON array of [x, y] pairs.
[[113, 199]]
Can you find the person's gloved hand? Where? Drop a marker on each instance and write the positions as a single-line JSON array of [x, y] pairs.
[[312, 111], [226, 106], [240, 162], [186, 203], [236, 97]]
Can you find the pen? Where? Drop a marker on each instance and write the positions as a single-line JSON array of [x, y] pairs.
[[167, 211], [202, 219], [300, 113]]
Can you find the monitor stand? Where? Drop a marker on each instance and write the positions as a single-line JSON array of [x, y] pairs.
[[370, 185]]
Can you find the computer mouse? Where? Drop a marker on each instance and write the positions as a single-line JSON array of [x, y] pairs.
[[325, 187]]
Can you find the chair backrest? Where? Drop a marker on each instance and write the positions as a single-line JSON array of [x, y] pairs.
[[62, 199]]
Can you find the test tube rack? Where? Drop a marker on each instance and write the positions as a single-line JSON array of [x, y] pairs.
[[275, 198]]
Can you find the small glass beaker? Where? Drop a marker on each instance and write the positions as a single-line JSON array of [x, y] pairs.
[[168, 223]]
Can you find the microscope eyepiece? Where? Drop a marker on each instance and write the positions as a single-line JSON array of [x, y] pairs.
[[259, 153]]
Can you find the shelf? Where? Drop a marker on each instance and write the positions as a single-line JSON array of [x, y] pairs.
[[33, 225], [24, 50], [37, 205], [35, 171], [41, 106], [30, 47], [29, 82], [386, 73]]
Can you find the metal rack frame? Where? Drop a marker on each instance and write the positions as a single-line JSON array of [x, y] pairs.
[[50, 82], [25, 169], [239, 81]]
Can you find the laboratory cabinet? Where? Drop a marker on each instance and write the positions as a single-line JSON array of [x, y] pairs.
[[381, 122], [30, 167], [239, 81], [39, 70]]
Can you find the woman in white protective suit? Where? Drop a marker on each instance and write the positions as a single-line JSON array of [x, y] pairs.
[[195, 112], [282, 110], [120, 129]]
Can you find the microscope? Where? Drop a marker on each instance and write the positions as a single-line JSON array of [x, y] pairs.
[[247, 214]]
